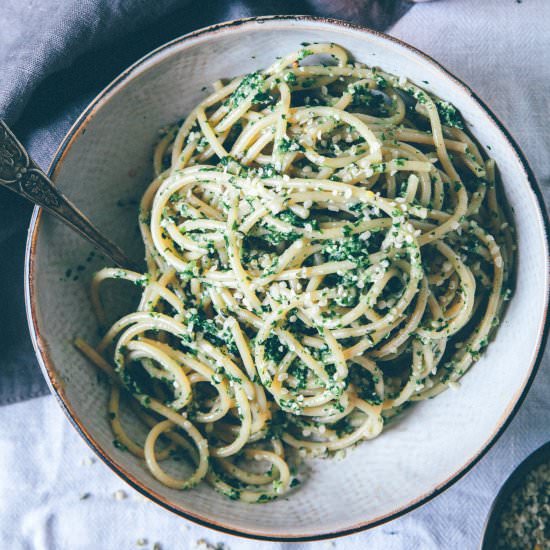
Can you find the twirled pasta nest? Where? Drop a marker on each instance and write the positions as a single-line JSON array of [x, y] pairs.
[[324, 245]]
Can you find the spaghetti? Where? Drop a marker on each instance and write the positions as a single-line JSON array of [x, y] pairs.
[[325, 245]]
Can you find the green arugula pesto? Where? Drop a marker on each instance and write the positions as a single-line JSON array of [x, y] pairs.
[[317, 259]]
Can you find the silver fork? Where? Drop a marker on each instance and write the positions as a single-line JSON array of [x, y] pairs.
[[20, 174]]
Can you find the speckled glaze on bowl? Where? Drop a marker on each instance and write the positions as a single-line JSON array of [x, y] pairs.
[[104, 162]]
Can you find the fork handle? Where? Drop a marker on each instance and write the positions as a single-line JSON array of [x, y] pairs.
[[23, 176]]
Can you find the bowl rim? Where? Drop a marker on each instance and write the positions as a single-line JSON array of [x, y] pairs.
[[511, 483], [56, 385]]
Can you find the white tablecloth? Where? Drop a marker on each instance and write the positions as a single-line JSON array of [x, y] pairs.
[[55, 495]]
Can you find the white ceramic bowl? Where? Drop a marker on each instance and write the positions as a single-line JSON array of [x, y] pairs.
[[106, 157]]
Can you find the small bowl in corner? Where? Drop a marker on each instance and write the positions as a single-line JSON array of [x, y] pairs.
[[514, 481]]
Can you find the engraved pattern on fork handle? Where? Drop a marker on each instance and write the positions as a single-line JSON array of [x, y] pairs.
[[19, 173]]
